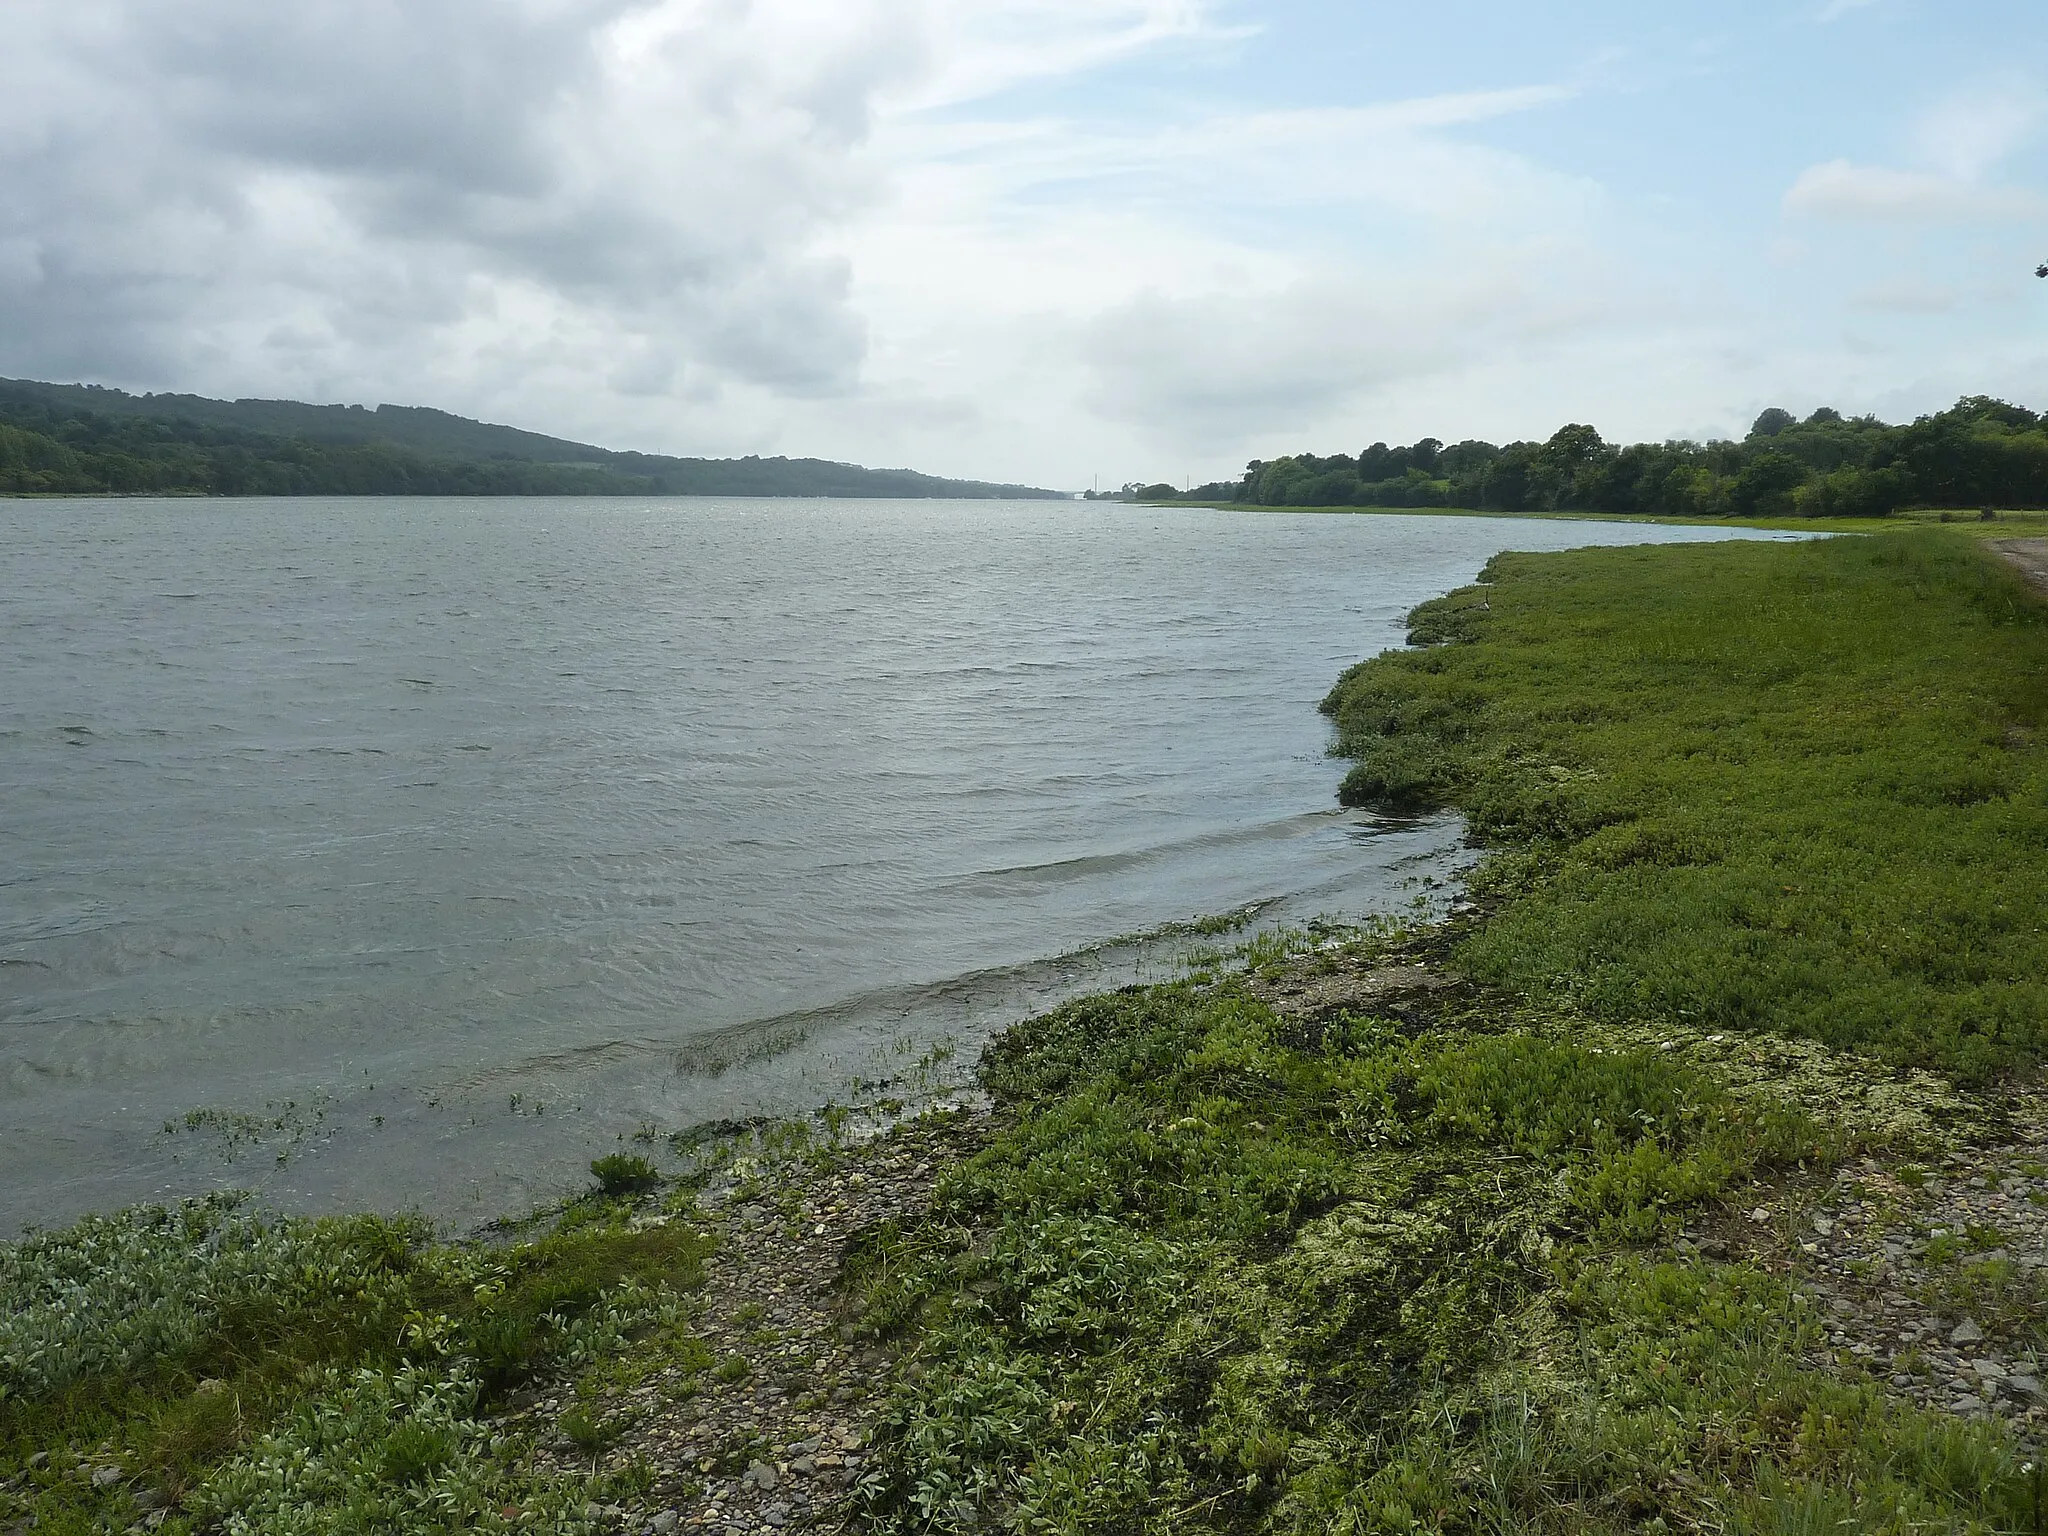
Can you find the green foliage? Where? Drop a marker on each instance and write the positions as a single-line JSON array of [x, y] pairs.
[[1222, 1272], [1980, 452], [619, 1173], [374, 1450], [289, 1375], [1793, 788]]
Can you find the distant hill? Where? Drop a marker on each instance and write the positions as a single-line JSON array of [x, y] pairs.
[[81, 438]]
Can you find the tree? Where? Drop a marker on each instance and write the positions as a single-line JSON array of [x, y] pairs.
[[1772, 422], [1765, 486]]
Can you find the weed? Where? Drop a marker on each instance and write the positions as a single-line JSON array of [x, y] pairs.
[[588, 1432], [620, 1173]]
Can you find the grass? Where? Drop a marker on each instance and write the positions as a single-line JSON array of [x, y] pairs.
[[1760, 787], [289, 1376], [619, 1173], [1224, 1271]]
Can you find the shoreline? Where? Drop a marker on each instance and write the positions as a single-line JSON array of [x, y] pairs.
[[1961, 520], [1388, 1229]]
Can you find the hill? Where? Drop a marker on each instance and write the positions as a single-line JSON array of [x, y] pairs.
[[84, 439]]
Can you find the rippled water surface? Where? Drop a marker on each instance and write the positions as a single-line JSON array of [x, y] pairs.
[[412, 852]]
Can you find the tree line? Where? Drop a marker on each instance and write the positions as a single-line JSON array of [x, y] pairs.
[[1980, 452], [67, 439]]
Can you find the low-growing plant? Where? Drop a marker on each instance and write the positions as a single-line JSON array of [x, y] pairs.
[[396, 1451], [1220, 1273], [1742, 786], [621, 1173], [588, 1431], [219, 1353]]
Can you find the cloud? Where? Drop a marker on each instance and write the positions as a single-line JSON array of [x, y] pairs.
[[1187, 283], [379, 192], [1906, 298], [1841, 190], [1835, 10], [1974, 129], [1191, 368]]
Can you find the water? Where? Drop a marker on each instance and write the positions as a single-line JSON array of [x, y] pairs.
[[413, 852]]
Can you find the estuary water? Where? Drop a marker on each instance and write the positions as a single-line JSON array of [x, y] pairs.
[[409, 853]]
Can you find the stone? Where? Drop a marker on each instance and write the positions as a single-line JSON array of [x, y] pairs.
[[762, 1476], [664, 1522], [2023, 1383], [105, 1477], [1966, 1332], [1966, 1402]]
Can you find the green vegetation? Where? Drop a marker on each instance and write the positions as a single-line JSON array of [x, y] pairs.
[[1743, 786], [1979, 453], [1477, 1228], [622, 1174], [307, 1376], [1226, 1270], [77, 439]]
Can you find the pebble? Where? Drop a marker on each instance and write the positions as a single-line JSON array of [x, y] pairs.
[[774, 1447], [1897, 1313]]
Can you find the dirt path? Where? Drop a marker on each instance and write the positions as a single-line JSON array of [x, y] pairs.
[[771, 1437], [2030, 556]]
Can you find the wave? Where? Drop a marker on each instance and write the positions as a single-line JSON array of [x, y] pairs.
[[1358, 824]]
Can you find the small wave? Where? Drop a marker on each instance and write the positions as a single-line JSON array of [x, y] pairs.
[[989, 997], [1356, 824], [576, 1058]]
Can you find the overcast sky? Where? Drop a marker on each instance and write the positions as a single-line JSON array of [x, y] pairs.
[[1043, 240]]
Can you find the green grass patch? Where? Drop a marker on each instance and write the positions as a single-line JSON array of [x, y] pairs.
[[270, 1375], [1221, 1272], [1795, 788]]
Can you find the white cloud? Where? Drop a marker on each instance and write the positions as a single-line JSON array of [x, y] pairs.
[[1971, 131], [901, 231], [1906, 297], [1185, 287], [334, 195], [1839, 189]]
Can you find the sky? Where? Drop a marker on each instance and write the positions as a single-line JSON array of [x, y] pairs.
[[1063, 242]]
